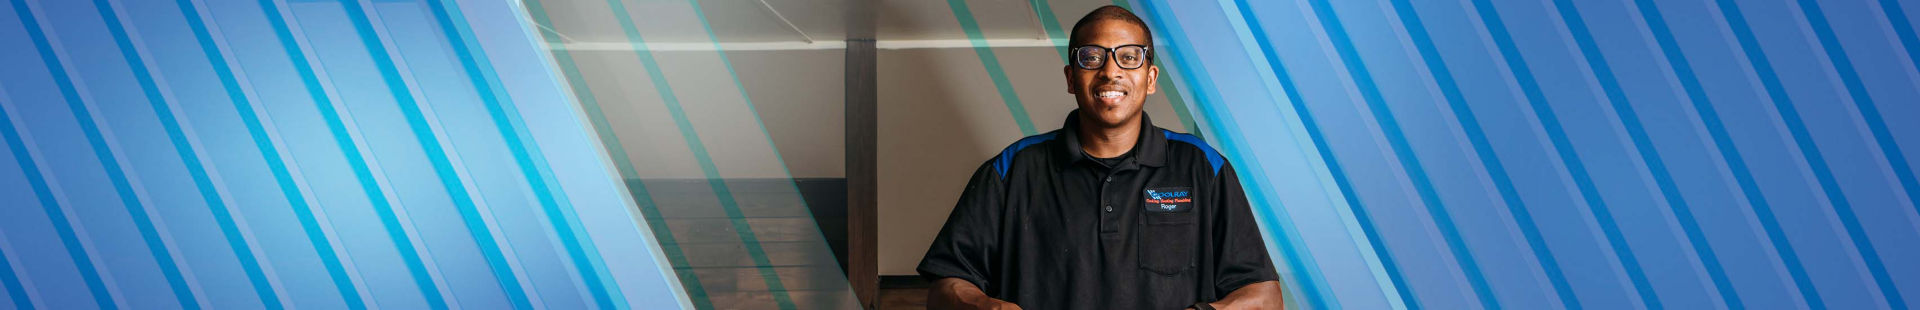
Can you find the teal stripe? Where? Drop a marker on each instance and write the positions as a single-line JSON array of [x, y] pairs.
[[437, 155], [650, 211], [304, 213], [992, 64], [699, 149], [243, 250], [532, 164], [1055, 32]]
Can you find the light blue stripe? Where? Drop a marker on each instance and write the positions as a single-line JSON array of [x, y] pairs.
[[316, 234], [1556, 134], [1729, 154], [82, 262], [443, 167], [1783, 105], [992, 64], [269, 296], [481, 74], [189, 157], [696, 293], [699, 149], [141, 220], [1482, 149], [8, 279], [1410, 164], [1297, 257], [1871, 115], [1610, 85], [1315, 286]]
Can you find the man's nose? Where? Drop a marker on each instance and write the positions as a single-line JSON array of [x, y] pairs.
[[1111, 70]]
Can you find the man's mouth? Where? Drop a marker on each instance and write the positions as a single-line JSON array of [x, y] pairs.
[[1111, 94]]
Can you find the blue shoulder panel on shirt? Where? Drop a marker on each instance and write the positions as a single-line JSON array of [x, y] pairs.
[[1213, 157], [1005, 161]]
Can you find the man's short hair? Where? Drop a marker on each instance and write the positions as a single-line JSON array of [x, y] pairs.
[[1109, 12]]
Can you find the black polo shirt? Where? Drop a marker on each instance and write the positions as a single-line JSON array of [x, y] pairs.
[[1044, 226]]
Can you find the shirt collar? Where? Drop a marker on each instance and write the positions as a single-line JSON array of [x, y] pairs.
[[1150, 150]]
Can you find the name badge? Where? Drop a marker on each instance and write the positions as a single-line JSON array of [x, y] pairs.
[[1169, 199]]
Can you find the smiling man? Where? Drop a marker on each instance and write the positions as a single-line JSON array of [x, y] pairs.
[[1108, 212]]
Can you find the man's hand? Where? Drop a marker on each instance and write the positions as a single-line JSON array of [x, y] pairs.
[[1259, 295], [957, 294]]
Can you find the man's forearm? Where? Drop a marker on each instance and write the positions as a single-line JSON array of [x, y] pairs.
[[1259, 295], [957, 294]]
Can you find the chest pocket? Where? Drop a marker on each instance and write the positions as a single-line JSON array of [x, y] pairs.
[[1169, 234]]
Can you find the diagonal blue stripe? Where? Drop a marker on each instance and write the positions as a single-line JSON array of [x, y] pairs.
[[1287, 86], [9, 280], [1729, 154], [1403, 151], [1803, 140], [1871, 115], [316, 234], [249, 262], [142, 221], [1482, 149], [443, 167], [485, 82], [1556, 134], [1610, 85]]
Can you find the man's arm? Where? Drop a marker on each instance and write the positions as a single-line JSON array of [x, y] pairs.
[[1241, 257], [957, 294], [1259, 295]]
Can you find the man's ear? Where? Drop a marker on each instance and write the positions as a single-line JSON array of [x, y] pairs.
[[1067, 71], [1153, 79]]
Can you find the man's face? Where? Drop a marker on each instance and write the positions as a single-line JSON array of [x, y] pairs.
[[1111, 96]]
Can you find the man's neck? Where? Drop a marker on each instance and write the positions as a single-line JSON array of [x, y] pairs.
[[1108, 142]]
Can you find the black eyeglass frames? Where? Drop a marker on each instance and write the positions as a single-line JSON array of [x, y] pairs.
[[1092, 57]]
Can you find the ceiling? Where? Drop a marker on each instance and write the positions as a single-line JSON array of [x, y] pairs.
[[799, 21]]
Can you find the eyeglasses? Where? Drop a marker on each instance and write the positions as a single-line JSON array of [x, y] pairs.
[[1093, 57]]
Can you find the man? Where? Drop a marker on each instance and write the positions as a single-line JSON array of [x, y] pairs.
[[1108, 212]]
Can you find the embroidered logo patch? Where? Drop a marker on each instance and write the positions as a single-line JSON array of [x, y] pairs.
[[1169, 199]]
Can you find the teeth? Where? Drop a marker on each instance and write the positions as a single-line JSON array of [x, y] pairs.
[[1106, 94]]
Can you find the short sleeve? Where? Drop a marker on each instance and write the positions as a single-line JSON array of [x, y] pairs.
[[1242, 255], [968, 245]]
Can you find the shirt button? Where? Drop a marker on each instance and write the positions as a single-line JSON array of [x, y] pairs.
[[1109, 180], [1109, 208]]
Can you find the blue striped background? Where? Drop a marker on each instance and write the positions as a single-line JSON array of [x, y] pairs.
[[1605, 154], [326, 154]]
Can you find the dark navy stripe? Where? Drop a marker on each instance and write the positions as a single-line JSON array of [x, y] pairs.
[[1871, 115], [497, 102], [250, 264], [1005, 160], [1729, 153], [375, 196], [490, 248], [1409, 163], [1482, 149], [1642, 143], [1213, 157]]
